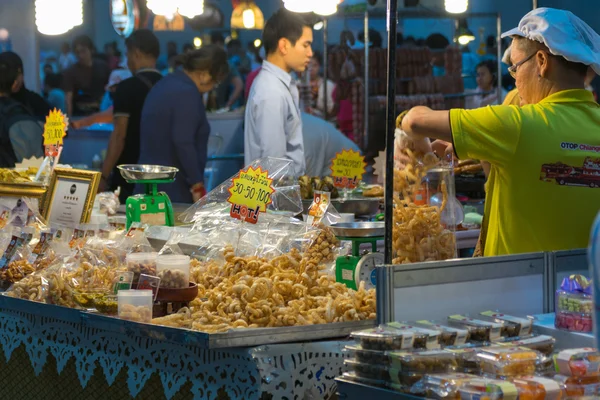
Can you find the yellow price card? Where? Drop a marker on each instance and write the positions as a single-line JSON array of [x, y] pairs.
[[250, 193], [347, 169], [54, 132]]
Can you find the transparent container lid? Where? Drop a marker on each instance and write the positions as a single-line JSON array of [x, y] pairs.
[[537, 388], [490, 389], [370, 356], [369, 371], [466, 360], [578, 362], [542, 343], [424, 362], [576, 386], [508, 361], [450, 336], [520, 326], [479, 330], [444, 386], [384, 338], [425, 338]]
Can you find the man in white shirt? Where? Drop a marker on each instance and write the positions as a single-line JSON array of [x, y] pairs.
[[273, 124]]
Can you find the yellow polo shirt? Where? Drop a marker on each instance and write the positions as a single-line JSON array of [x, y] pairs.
[[543, 190]]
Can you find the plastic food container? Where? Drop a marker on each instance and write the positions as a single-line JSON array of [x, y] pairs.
[[384, 338], [426, 362], [466, 360], [508, 361], [141, 263], [351, 376], [538, 388], [450, 336], [444, 386], [514, 326], [575, 322], [173, 271], [424, 338], [369, 371], [545, 366], [405, 381], [574, 302], [488, 389], [578, 362], [479, 330], [370, 356], [580, 385], [542, 343], [135, 305]]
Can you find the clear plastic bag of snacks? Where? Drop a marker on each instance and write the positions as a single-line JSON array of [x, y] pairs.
[[425, 212]]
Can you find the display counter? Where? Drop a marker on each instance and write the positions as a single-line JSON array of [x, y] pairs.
[[225, 150]]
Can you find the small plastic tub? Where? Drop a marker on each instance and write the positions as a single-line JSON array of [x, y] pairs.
[[444, 386], [369, 371], [370, 356], [135, 305], [578, 362], [141, 263], [173, 271], [513, 326], [479, 330], [466, 360], [426, 362], [542, 343], [450, 336]]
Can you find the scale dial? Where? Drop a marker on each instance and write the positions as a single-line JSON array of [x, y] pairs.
[[365, 269]]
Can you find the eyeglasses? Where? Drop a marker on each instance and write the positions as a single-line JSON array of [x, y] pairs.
[[512, 70]]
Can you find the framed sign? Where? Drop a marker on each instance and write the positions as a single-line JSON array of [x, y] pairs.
[[71, 196]]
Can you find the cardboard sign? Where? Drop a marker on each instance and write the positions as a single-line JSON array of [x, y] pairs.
[[347, 169], [250, 193]]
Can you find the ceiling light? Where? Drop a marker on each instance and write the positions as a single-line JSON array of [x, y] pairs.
[[318, 26], [257, 43], [166, 8], [463, 34], [325, 7], [300, 6], [45, 16], [456, 6], [190, 8], [197, 42], [247, 15]]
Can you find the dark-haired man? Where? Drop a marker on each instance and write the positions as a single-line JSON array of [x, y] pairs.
[[84, 81], [143, 50], [273, 124]]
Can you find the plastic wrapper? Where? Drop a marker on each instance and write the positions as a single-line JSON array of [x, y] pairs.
[[286, 200], [479, 330], [108, 202], [541, 343], [576, 386], [384, 338], [425, 205], [425, 338], [513, 326], [444, 386], [508, 361], [424, 362], [488, 389], [538, 388], [450, 336], [578, 362]]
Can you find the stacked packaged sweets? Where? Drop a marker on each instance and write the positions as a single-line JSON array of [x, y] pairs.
[[574, 304], [579, 371]]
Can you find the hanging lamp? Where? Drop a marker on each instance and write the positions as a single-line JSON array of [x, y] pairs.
[[164, 8], [247, 15], [45, 16], [190, 8], [300, 6], [456, 6]]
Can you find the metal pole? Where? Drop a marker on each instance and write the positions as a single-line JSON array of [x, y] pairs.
[[325, 66], [365, 141], [535, 4], [499, 55], [392, 7]]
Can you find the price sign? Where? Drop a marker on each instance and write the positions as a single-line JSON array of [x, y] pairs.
[[347, 169], [54, 132], [249, 194]]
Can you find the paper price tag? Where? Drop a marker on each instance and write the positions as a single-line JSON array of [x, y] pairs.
[[54, 132], [347, 169], [249, 194]]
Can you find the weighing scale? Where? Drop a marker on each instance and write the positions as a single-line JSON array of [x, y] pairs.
[[152, 207], [352, 269]]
